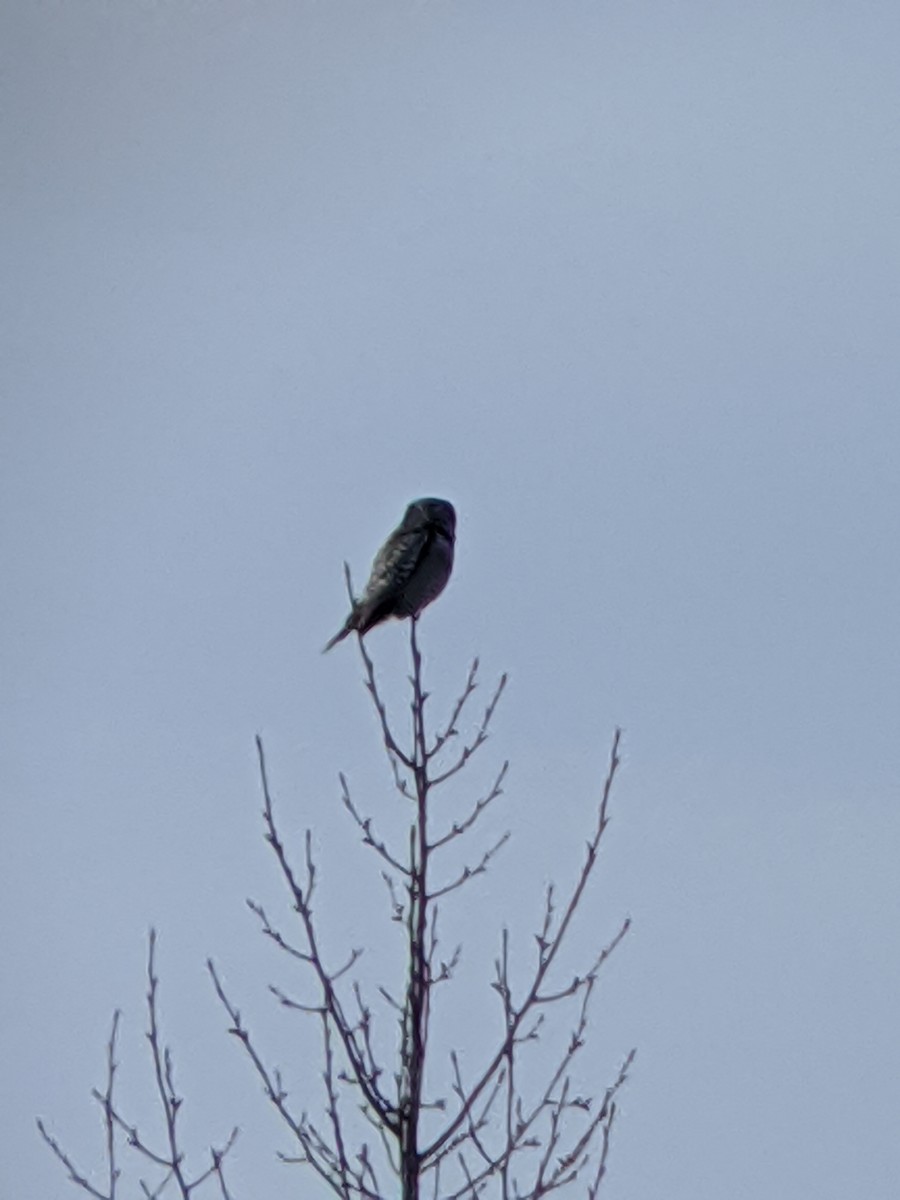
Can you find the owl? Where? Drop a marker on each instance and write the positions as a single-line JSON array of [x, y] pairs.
[[410, 570]]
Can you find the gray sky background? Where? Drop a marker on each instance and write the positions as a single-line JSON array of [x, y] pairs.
[[620, 280]]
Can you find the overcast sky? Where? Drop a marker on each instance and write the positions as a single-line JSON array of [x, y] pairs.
[[622, 281]]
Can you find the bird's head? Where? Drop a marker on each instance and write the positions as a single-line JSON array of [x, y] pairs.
[[433, 512]]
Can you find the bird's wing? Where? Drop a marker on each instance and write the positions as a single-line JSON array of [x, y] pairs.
[[396, 562]]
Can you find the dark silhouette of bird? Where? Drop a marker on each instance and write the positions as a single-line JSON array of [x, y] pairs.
[[410, 570]]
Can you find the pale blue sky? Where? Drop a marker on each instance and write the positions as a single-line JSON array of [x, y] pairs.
[[623, 282]]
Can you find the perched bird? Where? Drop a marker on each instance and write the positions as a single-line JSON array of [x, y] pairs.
[[410, 570]]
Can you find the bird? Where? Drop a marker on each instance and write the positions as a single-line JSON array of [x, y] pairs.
[[409, 571]]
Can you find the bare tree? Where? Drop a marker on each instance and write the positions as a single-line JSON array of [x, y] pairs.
[[485, 1130], [516, 1126], [166, 1165]]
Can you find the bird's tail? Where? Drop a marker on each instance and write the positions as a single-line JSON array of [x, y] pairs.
[[349, 626]]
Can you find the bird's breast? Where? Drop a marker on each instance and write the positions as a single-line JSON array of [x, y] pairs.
[[430, 577]]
